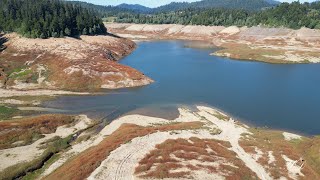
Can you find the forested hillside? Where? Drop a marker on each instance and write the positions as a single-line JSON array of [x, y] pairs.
[[104, 11], [294, 15], [48, 18], [136, 8], [55, 18], [228, 4]]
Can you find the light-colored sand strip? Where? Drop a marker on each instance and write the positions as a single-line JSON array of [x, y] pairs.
[[12, 156], [290, 136], [52, 110], [12, 93], [19, 102], [12, 101], [131, 36]]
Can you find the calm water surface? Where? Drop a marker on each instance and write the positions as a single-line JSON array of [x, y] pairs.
[[277, 96]]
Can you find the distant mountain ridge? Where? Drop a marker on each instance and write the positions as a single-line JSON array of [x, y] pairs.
[[135, 7]]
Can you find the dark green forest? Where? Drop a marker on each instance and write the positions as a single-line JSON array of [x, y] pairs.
[[252, 5], [294, 15], [105, 11], [48, 18], [57, 18]]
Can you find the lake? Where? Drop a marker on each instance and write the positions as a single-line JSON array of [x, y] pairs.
[[278, 96]]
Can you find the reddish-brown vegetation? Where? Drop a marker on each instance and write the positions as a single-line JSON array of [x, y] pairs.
[[85, 163], [82, 64], [174, 154], [267, 140], [27, 130]]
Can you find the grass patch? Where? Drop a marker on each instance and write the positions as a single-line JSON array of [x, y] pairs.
[[16, 70], [35, 174], [20, 170], [109, 19], [82, 138], [221, 116], [20, 72], [27, 130], [7, 112]]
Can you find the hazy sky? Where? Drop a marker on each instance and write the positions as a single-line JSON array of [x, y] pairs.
[[153, 3]]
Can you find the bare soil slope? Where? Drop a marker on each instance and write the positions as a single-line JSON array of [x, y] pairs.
[[87, 63]]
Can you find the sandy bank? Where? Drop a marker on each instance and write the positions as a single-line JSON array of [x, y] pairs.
[[12, 93], [273, 45]]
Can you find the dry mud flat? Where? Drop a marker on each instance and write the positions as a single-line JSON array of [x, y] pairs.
[[84, 64], [202, 144], [273, 45]]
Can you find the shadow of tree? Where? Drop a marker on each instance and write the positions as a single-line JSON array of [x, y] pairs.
[[113, 35], [2, 41]]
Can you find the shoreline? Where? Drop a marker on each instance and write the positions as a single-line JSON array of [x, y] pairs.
[[270, 45]]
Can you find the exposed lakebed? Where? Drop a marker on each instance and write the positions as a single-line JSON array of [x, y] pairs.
[[272, 95]]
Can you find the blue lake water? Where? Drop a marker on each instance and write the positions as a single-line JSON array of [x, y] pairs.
[[260, 94]]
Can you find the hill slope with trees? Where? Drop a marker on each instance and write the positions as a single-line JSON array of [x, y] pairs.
[[135, 7], [228, 4], [48, 18], [292, 15]]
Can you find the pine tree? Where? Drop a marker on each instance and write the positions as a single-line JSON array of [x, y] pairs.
[[48, 18]]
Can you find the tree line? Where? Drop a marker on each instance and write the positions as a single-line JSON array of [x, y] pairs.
[[292, 15], [251, 5], [48, 18]]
